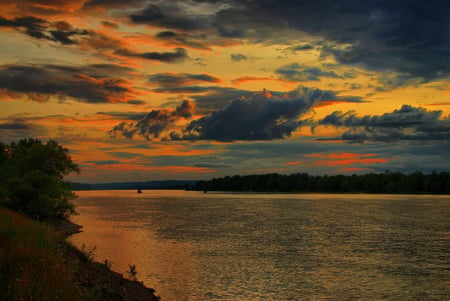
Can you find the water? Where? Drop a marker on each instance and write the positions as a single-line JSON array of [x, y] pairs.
[[224, 246]]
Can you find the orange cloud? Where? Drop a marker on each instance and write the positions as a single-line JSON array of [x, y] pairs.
[[40, 8], [328, 103], [339, 155], [438, 104], [294, 163], [241, 80], [354, 169], [346, 159]]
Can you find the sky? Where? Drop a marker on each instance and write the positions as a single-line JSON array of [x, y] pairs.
[[143, 90]]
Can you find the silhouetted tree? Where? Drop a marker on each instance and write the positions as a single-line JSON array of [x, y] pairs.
[[32, 176], [387, 182]]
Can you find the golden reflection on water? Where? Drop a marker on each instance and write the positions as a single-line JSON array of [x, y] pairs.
[[166, 265], [192, 246]]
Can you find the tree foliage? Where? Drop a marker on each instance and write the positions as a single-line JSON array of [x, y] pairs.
[[387, 182], [32, 178]]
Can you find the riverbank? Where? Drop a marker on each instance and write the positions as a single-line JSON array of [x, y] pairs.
[[105, 283], [38, 264]]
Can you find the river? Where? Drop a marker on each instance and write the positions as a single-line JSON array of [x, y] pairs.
[[197, 246]]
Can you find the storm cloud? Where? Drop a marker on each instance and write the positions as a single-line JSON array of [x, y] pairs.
[[406, 123], [378, 35], [261, 116]]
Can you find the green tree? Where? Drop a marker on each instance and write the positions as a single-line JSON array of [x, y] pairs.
[[32, 175]]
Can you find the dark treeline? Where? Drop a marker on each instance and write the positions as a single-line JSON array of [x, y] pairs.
[[387, 182]]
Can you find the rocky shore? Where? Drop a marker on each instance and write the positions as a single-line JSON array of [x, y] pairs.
[[97, 277]]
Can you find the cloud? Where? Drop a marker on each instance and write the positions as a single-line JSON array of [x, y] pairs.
[[379, 35], [38, 28], [407, 123], [103, 162], [155, 124], [180, 79], [237, 57], [64, 33], [170, 15], [110, 4], [302, 47], [297, 72], [123, 115], [40, 7], [15, 125], [262, 116], [176, 56], [89, 83], [183, 39]]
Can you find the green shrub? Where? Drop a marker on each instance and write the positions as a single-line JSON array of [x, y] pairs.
[[31, 178]]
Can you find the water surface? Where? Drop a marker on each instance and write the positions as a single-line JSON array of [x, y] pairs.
[[225, 246]]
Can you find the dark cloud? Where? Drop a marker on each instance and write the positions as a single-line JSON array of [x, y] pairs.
[[297, 72], [186, 89], [217, 98], [103, 162], [61, 32], [207, 98], [409, 37], [90, 83], [407, 123], [302, 47], [180, 79], [64, 33], [183, 39], [111, 4], [406, 36], [237, 57], [178, 55], [262, 116], [136, 102], [170, 15], [15, 125], [154, 124]]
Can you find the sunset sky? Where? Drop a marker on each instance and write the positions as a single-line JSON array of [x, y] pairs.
[[142, 90]]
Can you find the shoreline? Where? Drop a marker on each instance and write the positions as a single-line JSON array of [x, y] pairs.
[[97, 277]]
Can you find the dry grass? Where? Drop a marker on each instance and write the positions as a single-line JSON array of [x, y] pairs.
[[32, 266]]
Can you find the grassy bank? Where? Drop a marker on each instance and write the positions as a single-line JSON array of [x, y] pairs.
[[37, 264], [32, 265]]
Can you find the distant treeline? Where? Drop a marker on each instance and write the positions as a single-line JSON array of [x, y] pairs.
[[387, 182], [167, 184]]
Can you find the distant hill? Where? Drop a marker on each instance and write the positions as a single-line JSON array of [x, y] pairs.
[[167, 184]]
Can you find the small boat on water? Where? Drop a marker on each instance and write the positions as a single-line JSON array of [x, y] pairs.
[[139, 191]]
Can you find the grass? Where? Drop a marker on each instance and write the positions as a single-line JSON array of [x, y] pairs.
[[32, 265]]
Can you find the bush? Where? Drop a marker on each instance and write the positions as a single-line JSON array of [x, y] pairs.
[[32, 174]]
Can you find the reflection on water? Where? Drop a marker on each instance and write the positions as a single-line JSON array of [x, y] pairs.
[[195, 246]]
